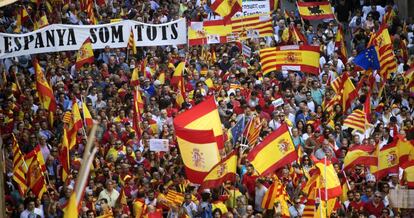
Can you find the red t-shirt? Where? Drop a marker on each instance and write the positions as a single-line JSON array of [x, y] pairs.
[[374, 210], [250, 182]]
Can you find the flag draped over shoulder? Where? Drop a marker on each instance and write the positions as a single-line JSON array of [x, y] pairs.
[[224, 171], [19, 168], [199, 152], [275, 151], [44, 90], [85, 54], [226, 8], [291, 57], [362, 154], [387, 161], [203, 116], [315, 10]]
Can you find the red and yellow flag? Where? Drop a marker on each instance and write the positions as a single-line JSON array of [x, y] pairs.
[[85, 54], [174, 197], [35, 178], [275, 151], [135, 77], [253, 26], [405, 149], [275, 193], [226, 8], [224, 171], [208, 32], [87, 115], [35, 154], [71, 208], [408, 174], [252, 131], [19, 168], [199, 151], [203, 116], [44, 90], [291, 57], [64, 157], [136, 121], [74, 125], [42, 22], [356, 120], [344, 88], [181, 94], [315, 10], [340, 44], [387, 161], [131, 43], [329, 180], [362, 154], [178, 73]]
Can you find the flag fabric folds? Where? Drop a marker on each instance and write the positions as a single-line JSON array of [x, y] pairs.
[[368, 59], [408, 174], [329, 180], [199, 152], [35, 154], [362, 154], [19, 168], [72, 207], [405, 149], [203, 116], [356, 120], [275, 151], [275, 193], [64, 157], [87, 117], [135, 77], [35, 178], [224, 171], [291, 57], [253, 26], [387, 161], [85, 54], [131, 43], [44, 90], [237, 130], [136, 121], [74, 125], [315, 10], [344, 89], [340, 44], [178, 73], [226, 8], [208, 32], [252, 131]]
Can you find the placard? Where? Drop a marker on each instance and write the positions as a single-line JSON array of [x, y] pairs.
[[159, 145]]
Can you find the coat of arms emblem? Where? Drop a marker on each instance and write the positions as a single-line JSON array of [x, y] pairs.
[[197, 157]]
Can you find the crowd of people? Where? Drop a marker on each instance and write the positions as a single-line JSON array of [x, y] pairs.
[[124, 160]]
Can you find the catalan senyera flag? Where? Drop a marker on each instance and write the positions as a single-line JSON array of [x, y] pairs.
[[90, 12], [388, 16], [345, 89], [85, 54], [405, 149], [274, 4], [131, 43], [199, 152], [361, 154], [35, 178], [87, 115], [382, 41], [181, 95], [275, 192], [174, 197], [275, 151], [315, 10], [201, 33], [408, 174], [41, 22], [136, 121], [64, 157], [35, 154], [340, 44], [135, 77], [387, 161], [178, 73], [292, 57], [72, 207], [356, 120], [226, 8], [329, 180], [203, 116], [224, 171], [253, 26], [252, 131], [19, 168], [44, 90], [297, 36]]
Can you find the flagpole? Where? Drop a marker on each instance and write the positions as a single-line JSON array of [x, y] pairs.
[[326, 187]]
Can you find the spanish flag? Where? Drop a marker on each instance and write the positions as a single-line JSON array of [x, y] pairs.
[[136, 121], [253, 26], [181, 95], [131, 43], [64, 157], [329, 180], [292, 57], [44, 90], [345, 90], [340, 44], [85, 54], [203, 116], [87, 115], [388, 16], [405, 148], [74, 125], [72, 207], [21, 18], [382, 41], [361, 154], [178, 73], [135, 77], [274, 152], [226, 8], [356, 120], [35, 178], [199, 152], [315, 10], [139, 208], [387, 161], [408, 174], [140, 102], [224, 171], [297, 36], [35, 154], [201, 33], [275, 193], [19, 168]]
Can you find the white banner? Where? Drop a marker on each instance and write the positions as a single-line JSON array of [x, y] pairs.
[[62, 37], [254, 7], [158, 144]]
